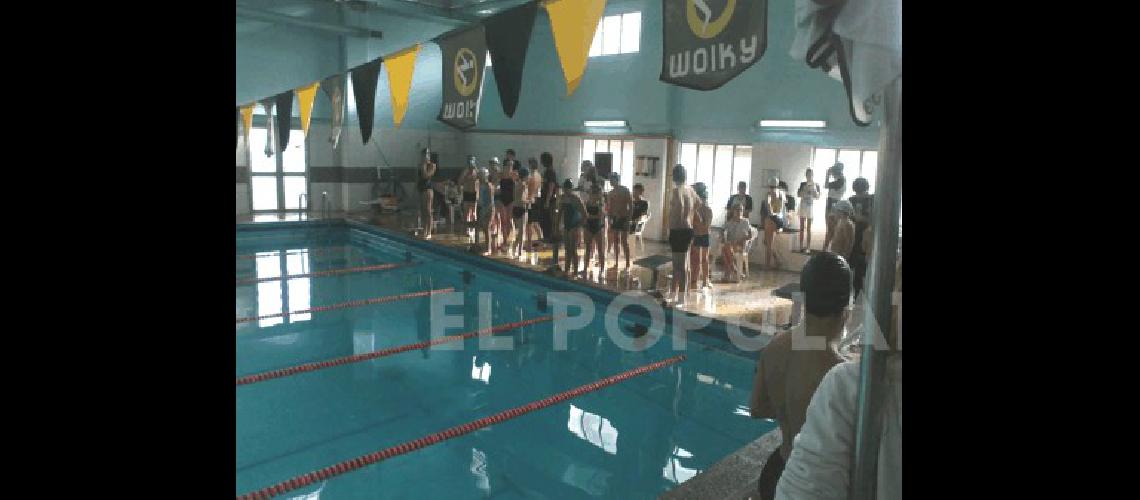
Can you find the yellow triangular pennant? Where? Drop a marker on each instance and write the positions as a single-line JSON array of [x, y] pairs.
[[573, 23], [305, 96], [247, 119], [400, 67]]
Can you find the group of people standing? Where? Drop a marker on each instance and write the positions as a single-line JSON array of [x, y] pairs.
[[510, 209]]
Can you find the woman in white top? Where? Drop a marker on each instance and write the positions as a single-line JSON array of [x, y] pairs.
[[808, 193], [820, 463], [737, 232]]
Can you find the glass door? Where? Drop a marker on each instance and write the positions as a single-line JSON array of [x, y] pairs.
[[278, 181]]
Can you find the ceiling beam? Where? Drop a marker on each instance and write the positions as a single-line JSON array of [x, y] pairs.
[[276, 18], [423, 11]]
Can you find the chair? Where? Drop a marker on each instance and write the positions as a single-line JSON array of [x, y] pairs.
[[638, 227]]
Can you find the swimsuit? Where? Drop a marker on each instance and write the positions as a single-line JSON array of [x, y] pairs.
[[701, 240], [506, 191], [593, 225]]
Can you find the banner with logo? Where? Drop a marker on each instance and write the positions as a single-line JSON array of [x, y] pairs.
[[464, 53], [709, 42], [284, 118]]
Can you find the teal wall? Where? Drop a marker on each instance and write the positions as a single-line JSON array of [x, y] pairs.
[[623, 86]]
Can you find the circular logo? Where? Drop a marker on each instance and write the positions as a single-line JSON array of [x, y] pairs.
[[701, 20], [466, 71]]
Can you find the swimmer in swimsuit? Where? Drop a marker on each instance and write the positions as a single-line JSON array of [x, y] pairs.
[[699, 255], [620, 206], [571, 210], [469, 184], [427, 171], [595, 228]]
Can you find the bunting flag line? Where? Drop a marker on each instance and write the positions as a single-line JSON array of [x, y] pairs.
[[247, 119], [464, 54], [401, 66], [574, 23], [508, 37], [709, 42], [269, 125], [334, 88], [284, 118], [305, 97], [364, 79]]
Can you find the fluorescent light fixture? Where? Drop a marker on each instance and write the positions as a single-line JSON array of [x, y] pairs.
[[605, 123], [486, 11], [793, 124]]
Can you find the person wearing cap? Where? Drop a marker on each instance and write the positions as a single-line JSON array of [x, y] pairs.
[[427, 193], [836, 189], [535, 212], [742, 199], [494, 175], [843, 236], [774, 215], [469, 184], [519, 210], [485, 210], [699, 258], [682, 203], [790, 368], [571, 213]]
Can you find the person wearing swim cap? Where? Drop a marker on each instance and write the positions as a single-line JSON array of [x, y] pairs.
[[699, 255], [427, 194], [485, 210], [787, 375], [843, 237], [682, 204], [469, 184], [571, 212]]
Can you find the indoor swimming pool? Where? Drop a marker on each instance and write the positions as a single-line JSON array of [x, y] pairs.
[[331, 365]]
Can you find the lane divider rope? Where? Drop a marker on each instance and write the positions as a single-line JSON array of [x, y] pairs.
[[401, 449], [331, 272], [318, 365], [354, 303]]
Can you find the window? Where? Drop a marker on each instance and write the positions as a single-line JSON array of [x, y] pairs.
[[623, 155], [617, 34], [277, 181], [720, 167], [283, 294]]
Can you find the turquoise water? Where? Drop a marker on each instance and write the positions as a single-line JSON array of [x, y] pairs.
[[635, 439]]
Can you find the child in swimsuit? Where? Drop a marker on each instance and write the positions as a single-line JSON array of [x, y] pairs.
[[699, 256], [571, 210]]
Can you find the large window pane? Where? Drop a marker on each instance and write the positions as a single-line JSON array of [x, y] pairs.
[[293, 160], [689, 156], [268, 265], [870, 168], [611, 38], [824, 159], [264, 192], [722, 186], [850, 160], [596, 45], [588, 146], [627, 163], [742, 166], [705, 155], [257, 159], [295, 185], [631, 32]]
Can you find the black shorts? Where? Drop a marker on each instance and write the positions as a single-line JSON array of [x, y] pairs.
[[620, 223], [534, 214], [517, 212], [469, 197], [701, 241], [680, 240]]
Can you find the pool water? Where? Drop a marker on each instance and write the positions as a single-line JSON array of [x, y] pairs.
[[634, 439]]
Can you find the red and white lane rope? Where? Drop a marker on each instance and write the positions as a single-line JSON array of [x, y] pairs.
[[331, 272], [355, 303], [318, 365], [371, 458]]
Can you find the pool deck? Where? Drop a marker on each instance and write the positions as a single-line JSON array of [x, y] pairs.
[[749, 302]]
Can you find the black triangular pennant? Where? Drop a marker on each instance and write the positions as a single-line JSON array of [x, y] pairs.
[[284, 118], [364, 79], [508, 37]]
